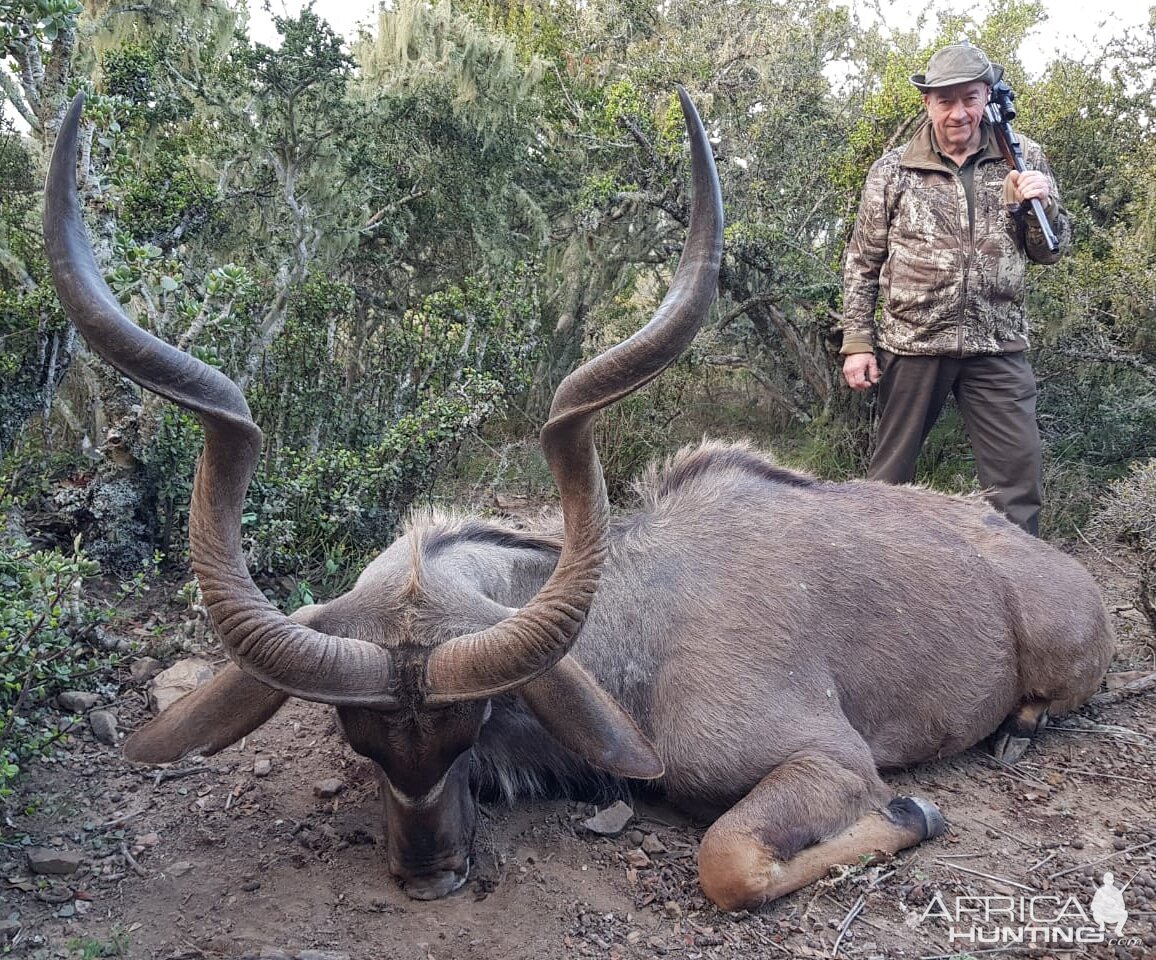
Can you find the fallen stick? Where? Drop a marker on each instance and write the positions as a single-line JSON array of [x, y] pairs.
[[1132, 688], [986, 876], [847, 921]]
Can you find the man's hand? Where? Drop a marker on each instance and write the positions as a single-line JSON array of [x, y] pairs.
[[860, 370], [1029, 185]]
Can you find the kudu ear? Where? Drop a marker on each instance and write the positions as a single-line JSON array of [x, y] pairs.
[[206, 721], [582, 716], [217, 715]]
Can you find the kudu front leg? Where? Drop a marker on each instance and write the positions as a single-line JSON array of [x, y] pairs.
[[808, 814]]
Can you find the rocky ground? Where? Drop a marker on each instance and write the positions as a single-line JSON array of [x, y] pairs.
[[272, 849]]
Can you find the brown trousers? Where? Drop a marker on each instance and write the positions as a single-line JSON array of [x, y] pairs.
[[997, 399]]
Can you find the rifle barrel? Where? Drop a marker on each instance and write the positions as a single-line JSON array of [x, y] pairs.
[[1014, 154]]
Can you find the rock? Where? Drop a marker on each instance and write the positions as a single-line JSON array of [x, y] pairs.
[[611, 821], [635, 838], [179, 869], [77, 701], [144, 669], [272, 953], [182, 677], [103, 723], [329, 788], [56, 862], [251, 885], [636, 858], [321, 955], [262, 767], [66, 912], [672, 909], [652, 845], [9, 929]]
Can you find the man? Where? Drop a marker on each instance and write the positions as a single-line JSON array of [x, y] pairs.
[[941, 235]]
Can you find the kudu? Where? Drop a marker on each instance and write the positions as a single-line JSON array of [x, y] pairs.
[[758, 642]]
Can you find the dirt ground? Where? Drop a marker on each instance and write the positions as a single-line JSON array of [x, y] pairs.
[[208, 859]]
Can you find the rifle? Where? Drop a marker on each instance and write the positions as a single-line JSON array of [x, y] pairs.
[[1000, 112]]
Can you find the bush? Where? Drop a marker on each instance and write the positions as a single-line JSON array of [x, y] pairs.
[[1128, 515], [47, 640]]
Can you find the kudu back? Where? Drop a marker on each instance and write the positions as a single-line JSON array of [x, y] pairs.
[[757, 642]]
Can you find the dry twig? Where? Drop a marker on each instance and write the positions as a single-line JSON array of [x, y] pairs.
[[847, 921], [986, 876]]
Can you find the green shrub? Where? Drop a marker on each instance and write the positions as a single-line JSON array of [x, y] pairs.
[[47, 640]]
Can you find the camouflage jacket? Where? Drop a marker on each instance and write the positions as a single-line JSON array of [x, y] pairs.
[[947, 288]]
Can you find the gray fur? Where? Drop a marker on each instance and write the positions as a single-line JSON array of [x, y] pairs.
[[747, 611]]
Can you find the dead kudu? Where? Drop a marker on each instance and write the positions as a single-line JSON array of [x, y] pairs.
[[758, 642]]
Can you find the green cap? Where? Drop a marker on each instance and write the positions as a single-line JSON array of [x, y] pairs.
[[958, 63]]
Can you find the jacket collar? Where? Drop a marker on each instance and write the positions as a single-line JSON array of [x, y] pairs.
[[920, 152]]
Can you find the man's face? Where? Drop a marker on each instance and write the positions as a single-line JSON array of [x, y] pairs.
[[956, 113]]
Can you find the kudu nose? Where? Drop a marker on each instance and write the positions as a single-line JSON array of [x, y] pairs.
[[435, 885]]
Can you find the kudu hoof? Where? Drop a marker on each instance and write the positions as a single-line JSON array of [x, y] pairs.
[[1010, 742], [919, 815], [1009, 749]]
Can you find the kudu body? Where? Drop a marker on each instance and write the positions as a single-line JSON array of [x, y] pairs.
[[758, 642]]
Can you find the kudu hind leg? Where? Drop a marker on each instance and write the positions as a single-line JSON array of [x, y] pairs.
[[1015, 734], [808, 814]]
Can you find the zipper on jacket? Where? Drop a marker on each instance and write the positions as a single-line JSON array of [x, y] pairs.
[[969, 249]]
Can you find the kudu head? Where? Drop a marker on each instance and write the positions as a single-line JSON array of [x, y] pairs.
[[412, 680]]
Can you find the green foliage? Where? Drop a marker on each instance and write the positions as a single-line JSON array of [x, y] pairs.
[[360, 436], [33, 333], [23, 22], [92, 948], [130, 73], [46, 640], [652, 423], [167, 201]]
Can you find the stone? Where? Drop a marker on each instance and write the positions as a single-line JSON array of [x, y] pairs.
[[328, 788], [321, 955], [103, 723], [44, 860], [262, 767], [636, 858], [611, 821], [273, 953], [77, 701], [179, 869], [672, 909], [9, 929], [652, 845], [183, 677], [144, 669]]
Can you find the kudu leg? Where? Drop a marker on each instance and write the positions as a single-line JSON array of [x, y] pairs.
[[808, 814], [1015, 734]]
